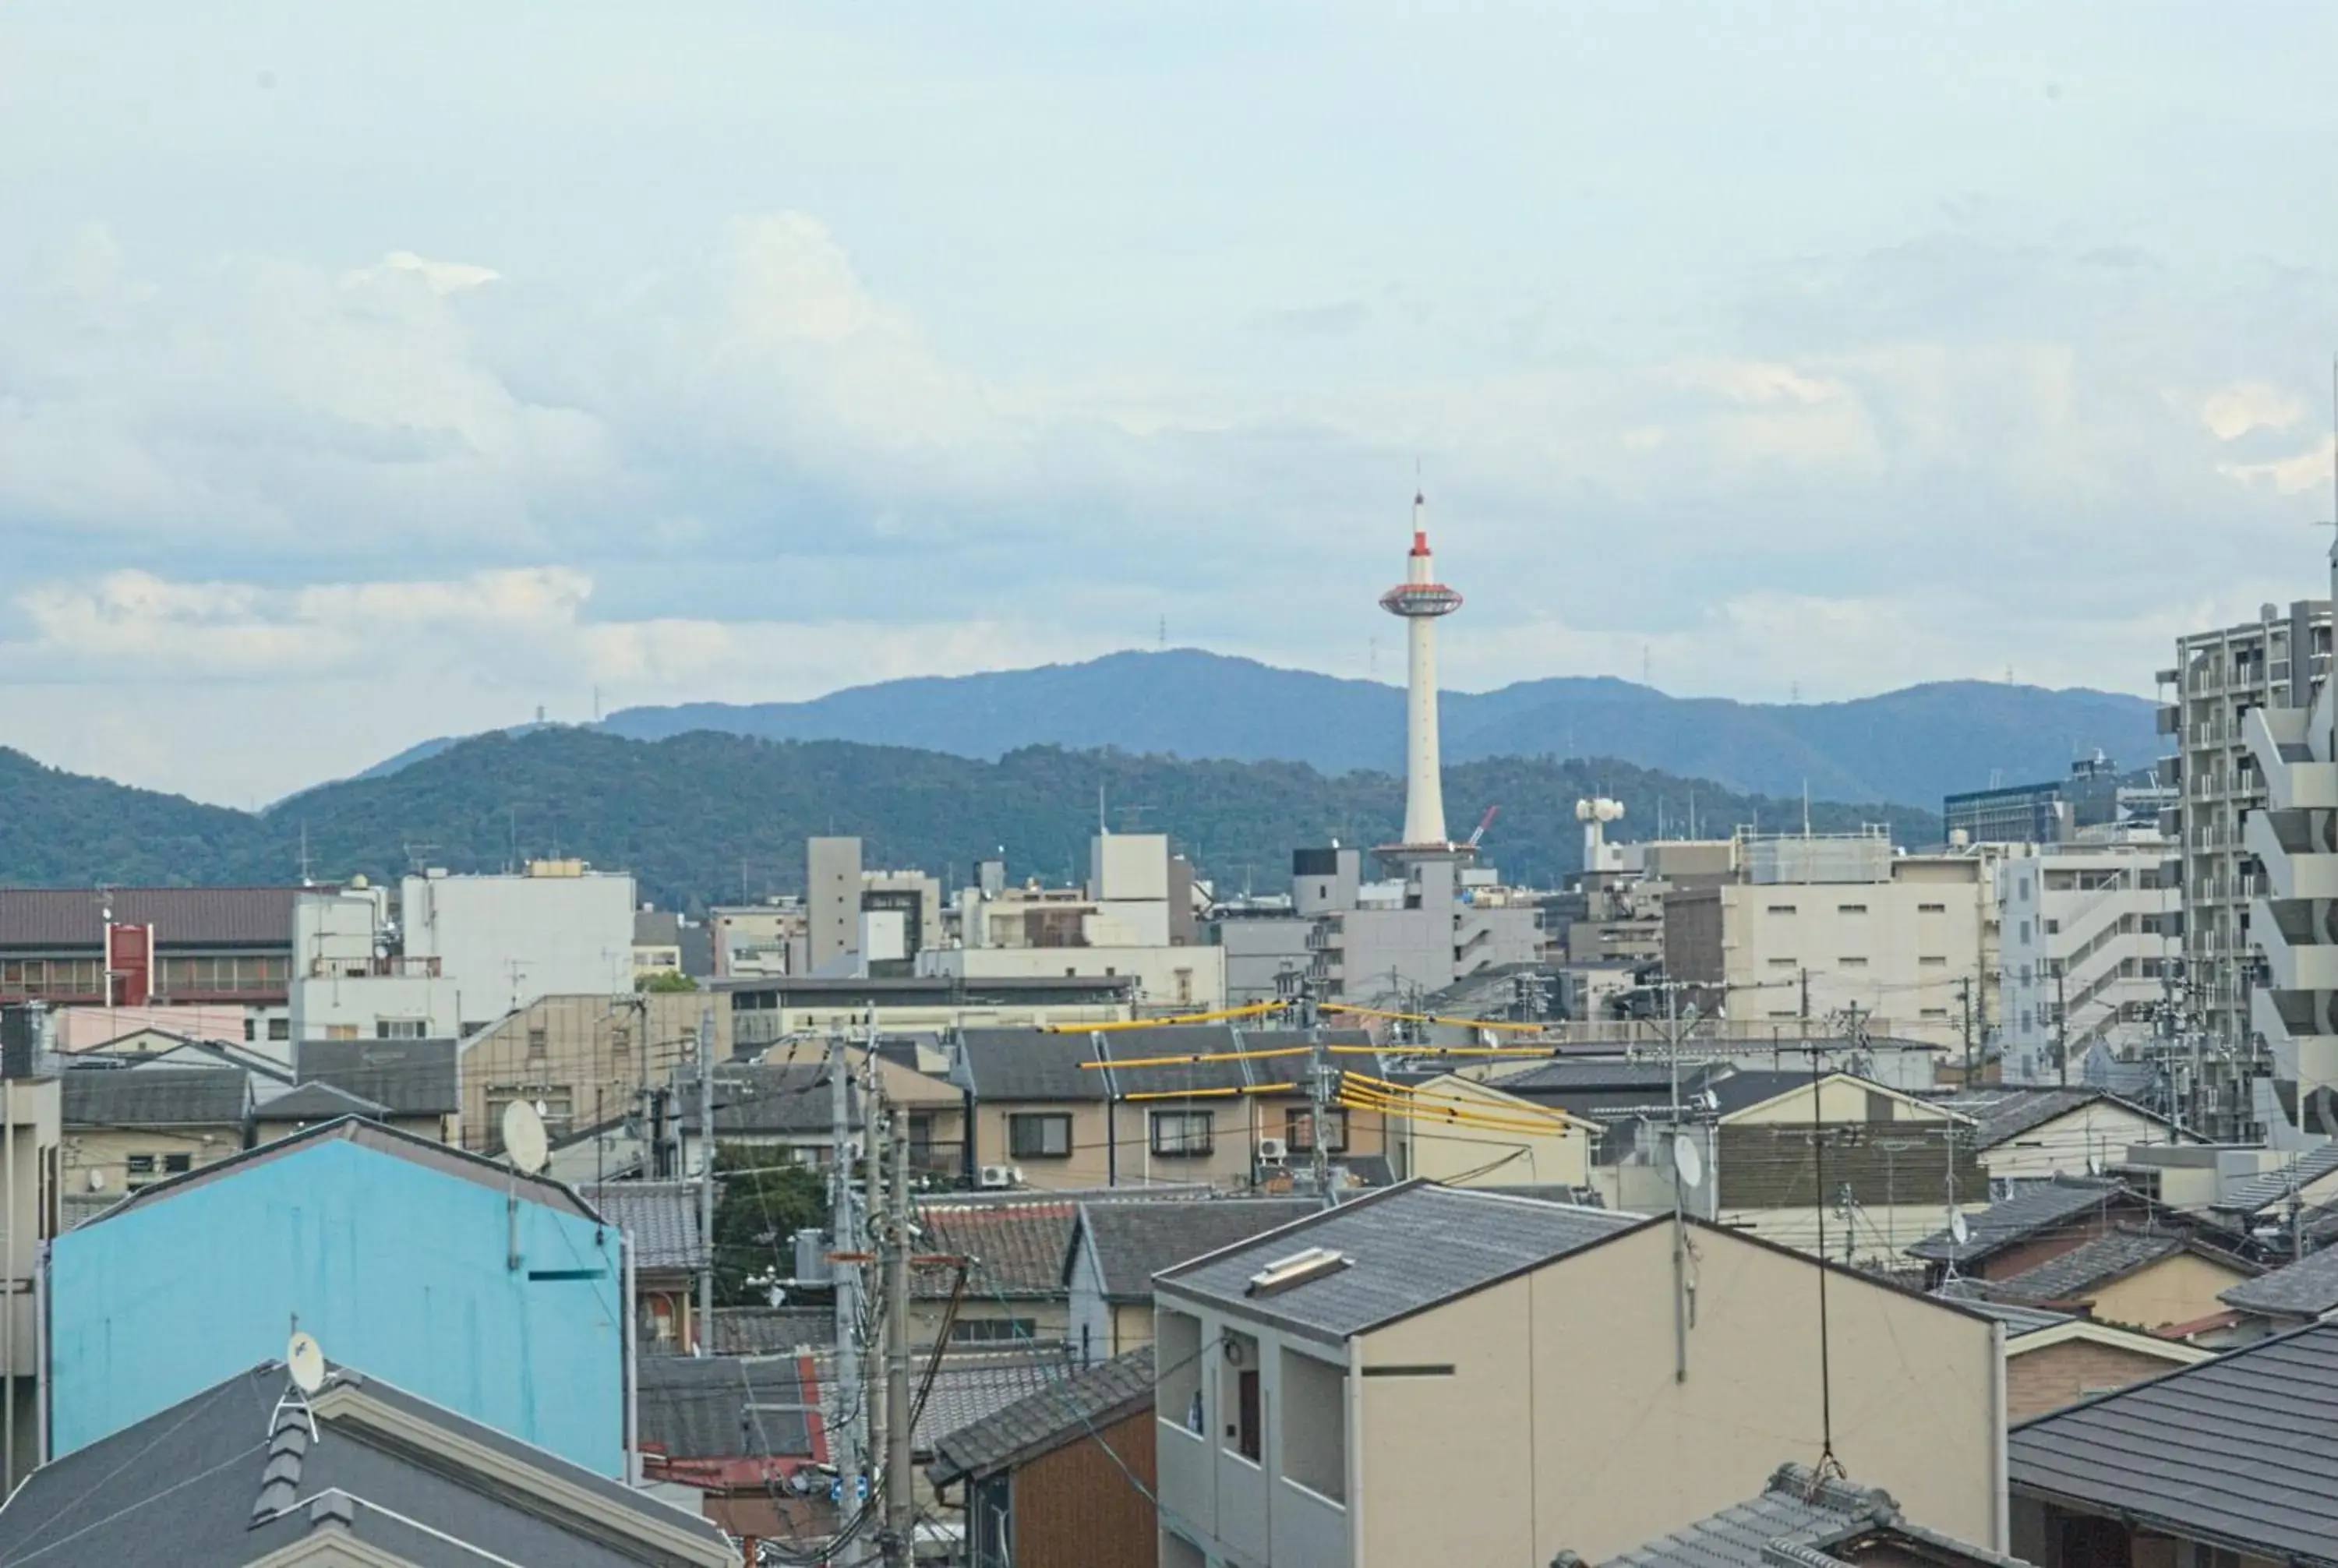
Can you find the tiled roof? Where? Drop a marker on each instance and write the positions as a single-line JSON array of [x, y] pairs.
[[316, 1102], [792, 1098], [214, 1479], [766, 1330], [1065, 1411], [2253, 1197], [1408, 1247], [1034, 1064], [181, 917], [2240, 1452], [1194, 1040], [724, 1406], [2305, 1288], [154, 1096], [2113, 1255], [1292, 1070], [2031, 1211], [2019, 1318], [1017, 1246], [1797, 1520], [968, 1387], [659, 1218], [1651, 1078], [2001, 1114], [1133, 1241], [1030, 1064], [412, 1077]]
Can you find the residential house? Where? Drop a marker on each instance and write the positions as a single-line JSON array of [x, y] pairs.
[[416, 1084], [1117, 1249], [2027, 1134], [2054, 1359], [747, 1432], [586, 1059], [2160, 1281], [966, 1387], [771, 1330], [312, 1104], [244, 1472], [2233, 1461], [1013, 1251], [31, 1131], [659, 1219], [2285, 1297], [126, 1128], [1463, 1133], [2035, 1223], [390, 1248], [1433, 1374], [1175, 1105], [2269, 1200], [786, 1110], [1811, 1520], [1062, 1478]]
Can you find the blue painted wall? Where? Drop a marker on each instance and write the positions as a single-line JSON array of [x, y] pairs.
[[399, 1270]]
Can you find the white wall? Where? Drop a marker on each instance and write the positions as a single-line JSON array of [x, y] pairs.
[[1897, 949], [1157, 969], [507, 940]]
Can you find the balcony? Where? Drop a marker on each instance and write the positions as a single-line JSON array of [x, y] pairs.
[[2294, 779], [373, 968], [2297, 958], [2295, 867]]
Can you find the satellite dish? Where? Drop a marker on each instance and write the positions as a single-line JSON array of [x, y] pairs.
[[2094, 1164], [524, 1139], [97, 1180], [1687, 1163], [1959, 1231], [305, 1359]]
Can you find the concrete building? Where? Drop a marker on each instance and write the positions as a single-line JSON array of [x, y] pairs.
[[1117, 1249], [832, 905], [2089, 928], [2269, 665], [458, 952], [1817, 924], [1421, 1376], [767, 1013], [657, 943], [31, 1130], [496, 1294], [2091, 796], [585, 1060], [763, 941], [137, 946], [128, 1128]]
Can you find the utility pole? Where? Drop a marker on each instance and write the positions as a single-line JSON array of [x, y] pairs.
[[1319, 1071], [706, 1176], [844, 1238], [900, 1485], [2062, 1025], [872, 1170], [1964, 991], [1806, 1004]]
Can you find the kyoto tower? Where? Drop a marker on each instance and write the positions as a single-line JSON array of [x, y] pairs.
[[1420, 599]]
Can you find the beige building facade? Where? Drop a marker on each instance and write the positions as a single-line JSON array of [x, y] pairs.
[[585, 1059]]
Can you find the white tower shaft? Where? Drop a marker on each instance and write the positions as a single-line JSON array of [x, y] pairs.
[[1424, 779]]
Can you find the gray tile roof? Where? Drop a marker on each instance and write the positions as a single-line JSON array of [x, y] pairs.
[[154, 1096], [187, 1483], [2262, 1192], [2064, 1204], [2001, 1114], [412, 1077], [1065, 1411], [181, 917], [1652, 1079], [316, 1101], [1133, 1241], [1799, 1519], [2240, 1452], [968, 1386], [1292, 1070], [1186, 1040], [2113, 1255], [724, 1406], [2019, 1318], [377, 1136], [1030, 1064], [1410, 1247], [787, 1099], [1017, 1246], [2305, 1288], [768, 1330], [660, 1218]]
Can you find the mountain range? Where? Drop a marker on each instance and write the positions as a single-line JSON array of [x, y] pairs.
[[703, 817], [1911, 746]]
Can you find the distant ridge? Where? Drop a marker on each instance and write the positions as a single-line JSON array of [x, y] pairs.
[[1911, 746]]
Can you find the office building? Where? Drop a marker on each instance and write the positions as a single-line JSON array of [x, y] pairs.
[[2089, 930]]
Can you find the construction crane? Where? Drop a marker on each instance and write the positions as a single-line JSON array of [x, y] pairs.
[[1483, 823]]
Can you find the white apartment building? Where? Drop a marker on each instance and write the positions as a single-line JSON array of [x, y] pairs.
[[2087, 926], [459, 953], [1819, 924], [2219, 679]]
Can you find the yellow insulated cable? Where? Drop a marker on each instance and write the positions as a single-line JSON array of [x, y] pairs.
[[1453, 1118], [1198, 1094], [1435, 1018], [1521, 1054], [1251, 1011], [1202, 1056], [1535, 1114]]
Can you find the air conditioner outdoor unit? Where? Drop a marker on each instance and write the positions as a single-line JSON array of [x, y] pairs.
[[1273, 1150], [998, 1176]]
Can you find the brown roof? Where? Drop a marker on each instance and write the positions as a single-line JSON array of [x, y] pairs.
[[181, 917], [1017, 1245]]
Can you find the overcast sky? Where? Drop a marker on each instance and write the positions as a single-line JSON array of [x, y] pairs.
[[374, 373]]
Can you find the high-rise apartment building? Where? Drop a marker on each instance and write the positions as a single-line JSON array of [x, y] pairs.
[[2218, 680], [2086, 928]]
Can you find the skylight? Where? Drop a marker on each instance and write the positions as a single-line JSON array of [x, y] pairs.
[[1298, 1269]]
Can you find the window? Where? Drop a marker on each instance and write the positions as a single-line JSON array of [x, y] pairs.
[[2053, 928], [1183, 1134], [994, 1331], [280, 1028], [1781, 908], [177, 1164], [1929, 962], [139, 1165], [1178, 1355], [1932, 908], [1238, 1401], [340, 1031], [1298, 1132], [1782, 962], [1315, 1425], [536, 1043], [251, 1028], [2025, 931], [1851, 908], [1932, 1012], [1039, 1136], [1852, 963], [397, 1029]]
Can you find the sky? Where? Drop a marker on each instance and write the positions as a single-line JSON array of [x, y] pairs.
[[373, 373]]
